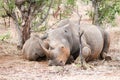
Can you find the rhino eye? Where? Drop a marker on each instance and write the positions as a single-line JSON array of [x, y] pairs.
[[62, 47], [65, 30], [51, 48], [36, 54]]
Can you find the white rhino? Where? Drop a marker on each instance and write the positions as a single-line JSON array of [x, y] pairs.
[[32, 48], [64, 43]]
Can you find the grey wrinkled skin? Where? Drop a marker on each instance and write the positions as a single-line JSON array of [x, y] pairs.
[[32, 50], [95, 42], [64, 43]]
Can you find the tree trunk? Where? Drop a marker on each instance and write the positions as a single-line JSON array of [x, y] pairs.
[[24, 34], [95, 13], [26, 31]]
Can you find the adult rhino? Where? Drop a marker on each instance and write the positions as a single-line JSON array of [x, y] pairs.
[[64, 43], [32, 48]]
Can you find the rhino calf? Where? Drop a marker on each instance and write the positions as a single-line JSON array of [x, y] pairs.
[[32, 48]]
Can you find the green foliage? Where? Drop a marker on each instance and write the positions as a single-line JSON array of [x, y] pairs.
[[71, 2], [1, 4], [2, 12], [107, 10], [41, 10], [86, 1], [39, 29], [68, 4], [4, 37], [89, 13], [10, 5]]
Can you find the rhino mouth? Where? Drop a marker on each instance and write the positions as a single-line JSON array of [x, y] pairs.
[[56, 63]]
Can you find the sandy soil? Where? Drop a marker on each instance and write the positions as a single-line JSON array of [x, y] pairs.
[[14, 67]]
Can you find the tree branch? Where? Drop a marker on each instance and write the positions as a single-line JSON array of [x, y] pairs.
[[80, 16], [37, 25]]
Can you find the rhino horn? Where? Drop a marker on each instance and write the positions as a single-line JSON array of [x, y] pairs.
[[44, 49]]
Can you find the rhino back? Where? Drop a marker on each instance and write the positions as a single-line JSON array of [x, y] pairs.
[[94, 39]]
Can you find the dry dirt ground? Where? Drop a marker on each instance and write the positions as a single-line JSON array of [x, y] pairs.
[[14, 67]]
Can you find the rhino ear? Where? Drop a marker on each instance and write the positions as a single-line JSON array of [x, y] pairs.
[[62, 47], [46, 44], [44, 36]]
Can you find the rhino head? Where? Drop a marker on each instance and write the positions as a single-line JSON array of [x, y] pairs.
[[60, 42], [57, 55]]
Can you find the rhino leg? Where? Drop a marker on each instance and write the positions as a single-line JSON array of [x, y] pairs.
[[103, 54], [86, 51], [85, 65]]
